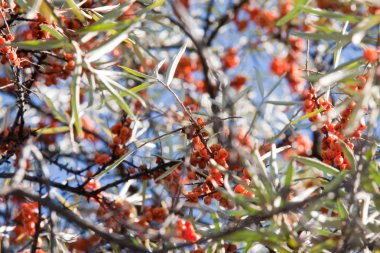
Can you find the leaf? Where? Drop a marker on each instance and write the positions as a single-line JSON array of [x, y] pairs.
[[75, 101], [330, 14], [341, 209], [275, 85], [52, 31], [125, 90], [38, 45], [141, 87], [348, 154], [335, 36], [338, 179], [136, 73], [56, 114], [168, 171], [106, 8], [313, 162], [313, 113], [289, 175], [296, 10], [173, 65], [117, 97], [157, 68], [77, 12], [53, 130], [47, 11], [91, 81], [336, 76], [152, 6], [116, 13], [240, 95], [284, 103], [359, 32], [115, 164], [108, 45], [244, 235], [259, 82]]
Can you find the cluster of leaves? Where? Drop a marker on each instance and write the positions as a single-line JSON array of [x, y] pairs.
[[194, 126]]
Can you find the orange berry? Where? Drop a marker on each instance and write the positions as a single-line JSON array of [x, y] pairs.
[[338, 160], [10, 37], [370, 54]]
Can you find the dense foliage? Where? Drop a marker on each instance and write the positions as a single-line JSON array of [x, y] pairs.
[[189, 126]]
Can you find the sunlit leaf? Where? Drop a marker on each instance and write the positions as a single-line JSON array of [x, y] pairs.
[[315, 163], [52, 31], [77, 12], [136, 73], [39, 44], [114, 164], [117, 97], [173, 65], [313, 113], [168, 171], [53, 130]]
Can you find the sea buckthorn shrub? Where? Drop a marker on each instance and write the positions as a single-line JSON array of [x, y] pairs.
[[189, 126]]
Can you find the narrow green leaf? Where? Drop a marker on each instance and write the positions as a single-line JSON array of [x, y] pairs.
[[240, 95], [315, 163], [348, 154], [335, 36], [313, 113], [341, 209], [338, 179], [216, 220], [77, 12], [359, 32], [259, 82], [143, 194], [106, 47], [245, 235], [330, 14], [117, 97], [289, 16], [289, 175], [75, 93], [91, 81], [53, 130], [140, 87], [168, 171], [154, 5], [38, 45], [173, 65], [56, 113], [101, 27], [47, 11], [136, 73], [125, 90], [158, 67], [52, 31], [115, 164], [275, 85], [285, 103]]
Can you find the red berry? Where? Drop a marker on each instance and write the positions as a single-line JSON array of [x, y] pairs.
[[338, 160], [10, 37], [370, 54]]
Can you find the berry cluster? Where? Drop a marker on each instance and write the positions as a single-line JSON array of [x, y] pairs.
[[289, 65], [116, 215], [185, 230], [123, 132], [332, 153], [231, 58], [25, 220], [156, 214]]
